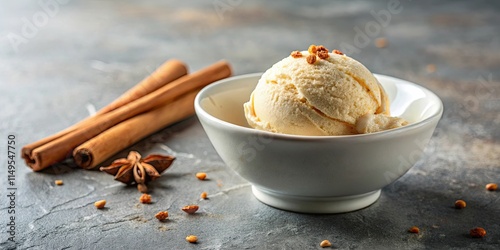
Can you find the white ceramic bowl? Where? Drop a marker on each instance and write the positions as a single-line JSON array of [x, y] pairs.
[[317, 174]]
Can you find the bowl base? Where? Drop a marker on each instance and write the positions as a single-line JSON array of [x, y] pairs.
[[322, 205]]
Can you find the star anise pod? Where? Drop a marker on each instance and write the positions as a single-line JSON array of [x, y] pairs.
[[133, 169]]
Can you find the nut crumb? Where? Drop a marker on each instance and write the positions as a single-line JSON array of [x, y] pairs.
[[145, 199], [338, 52], [325, 243], [381, 42], [491, 186], [311, 59], [162, 215], [204, 195], [321, 48], [312, 49], [296, 54], [59, 182], [323, 54], [459, 204], [100, 204], [201, 175], [414, 230], [191, 238], [190, 209], [477, 232]]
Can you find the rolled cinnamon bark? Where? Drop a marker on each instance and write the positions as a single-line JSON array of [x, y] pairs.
[[166, 73], [94, 151], [58, 149]]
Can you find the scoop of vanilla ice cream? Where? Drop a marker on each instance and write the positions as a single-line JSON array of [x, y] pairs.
[[327, 97]]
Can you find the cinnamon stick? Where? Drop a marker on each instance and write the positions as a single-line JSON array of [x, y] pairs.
[[167, 72], [58, 149], [94, 151]]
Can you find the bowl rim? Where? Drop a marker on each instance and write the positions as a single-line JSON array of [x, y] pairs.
[[200, 112]]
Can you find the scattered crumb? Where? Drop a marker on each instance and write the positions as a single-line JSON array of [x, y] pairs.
[[325, 243], [435, 226], [431, 68], [312, 49], [204, 195], [100, 204], [323, 54], [381, 42], [145, 199], [311, 59], [162, 215], [414, 230], [321, 48], [296, 54], [459, 204], [162, 228], [191, 238], [477, 232], [59, 182], [201, 176], [491, 186], [190, 209], [338, 52]]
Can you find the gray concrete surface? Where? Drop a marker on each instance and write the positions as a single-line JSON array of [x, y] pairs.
[[59, 60]]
